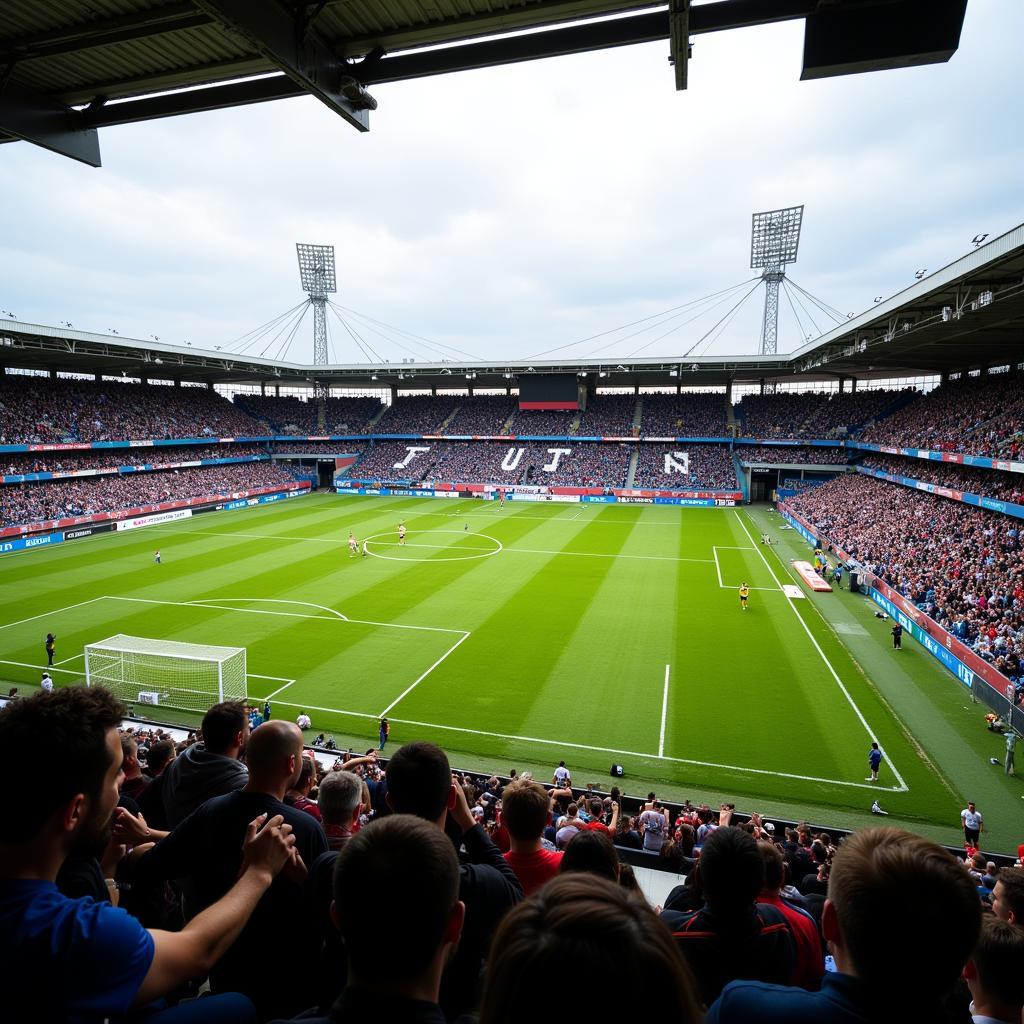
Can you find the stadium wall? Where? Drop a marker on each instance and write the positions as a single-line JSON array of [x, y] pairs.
[[973, 672]]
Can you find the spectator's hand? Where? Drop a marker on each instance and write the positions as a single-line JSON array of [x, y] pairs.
[[130, 828], [460, 813], [724, 815], [269, 845]]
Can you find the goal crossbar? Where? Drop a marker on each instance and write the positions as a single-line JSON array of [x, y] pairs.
[[123, 644]]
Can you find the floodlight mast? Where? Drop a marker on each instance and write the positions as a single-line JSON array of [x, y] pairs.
[[316, 271], [774, 240]]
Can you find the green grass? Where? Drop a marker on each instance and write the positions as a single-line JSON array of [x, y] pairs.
[[541, 632]]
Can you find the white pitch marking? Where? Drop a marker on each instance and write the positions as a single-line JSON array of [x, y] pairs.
[[664, 713], [846, 693], [55, 611], [280, 689], [718, 568], [409, 689]]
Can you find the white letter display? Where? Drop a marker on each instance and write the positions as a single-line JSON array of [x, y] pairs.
[[413, 452], [508, 463], [556, 454], [677, 462]]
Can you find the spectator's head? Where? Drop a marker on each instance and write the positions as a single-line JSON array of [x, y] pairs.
[[420, 782], [65, 807], [340, 798], [161, 754], [274, 756], [774, 868], [130, 756], [591, 851], [902, 915], [307, 775], [582, 925], [1008, 896], [525, 810], [596, 808], [226, 728], [993, 973], [394, 864], [731, 871]]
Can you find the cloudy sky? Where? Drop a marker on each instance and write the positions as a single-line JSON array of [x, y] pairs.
[[510, 211]]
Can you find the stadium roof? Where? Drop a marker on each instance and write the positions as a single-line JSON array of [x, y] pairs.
[[70, 67], [968, 315]]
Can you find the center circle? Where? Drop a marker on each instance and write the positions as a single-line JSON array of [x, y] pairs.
[[443, 558]]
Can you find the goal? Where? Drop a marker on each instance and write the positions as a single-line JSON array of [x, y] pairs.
[[191, 677]]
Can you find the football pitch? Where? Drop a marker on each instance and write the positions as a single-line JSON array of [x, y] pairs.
[[515, 636]]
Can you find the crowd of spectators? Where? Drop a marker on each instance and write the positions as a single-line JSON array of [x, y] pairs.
[[292, 415], [23, 504], [483, 415], [815, 414], [108, 460], [694, 414], [545, 423], [710, 467], [146, 869], [498, 462], [795, 483], [418, 414], [791, 455], [608, 416], [39, 410], [992, 483], [975, 415], [960, 565]]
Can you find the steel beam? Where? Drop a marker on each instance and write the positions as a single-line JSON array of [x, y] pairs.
[[298, 51], [679, 39], [38, 120]]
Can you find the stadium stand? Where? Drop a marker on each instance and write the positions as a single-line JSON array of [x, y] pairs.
[[37, 410], [108, 461], [418, 414], [973, 587], [792, 455], [482, 415], [608, 416], [976, 416], [290, 415], [992, 483], [710, 468], [814, 414], [22, 504], [685, 415], [540, 423]]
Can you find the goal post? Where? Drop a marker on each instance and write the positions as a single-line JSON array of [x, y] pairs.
[[169, 673]]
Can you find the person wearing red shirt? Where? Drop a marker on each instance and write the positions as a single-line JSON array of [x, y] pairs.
[[809, 962], [525, 811], [596, 824]]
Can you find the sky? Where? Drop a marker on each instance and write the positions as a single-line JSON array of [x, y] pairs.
[[513, 211]]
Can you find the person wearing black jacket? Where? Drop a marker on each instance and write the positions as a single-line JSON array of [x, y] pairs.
[[419, 782], [206, 849]]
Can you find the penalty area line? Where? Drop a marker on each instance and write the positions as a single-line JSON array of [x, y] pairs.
[[664, 713]]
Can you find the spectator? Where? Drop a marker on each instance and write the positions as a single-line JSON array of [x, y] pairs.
[[135, 782], [732, 936], [809, 963], [1008, 896], [993, 974], [298, 794], [419, 781], [582, 926], [901, 920], [525, 811], [591, 852], [392, 866], [210, 768], [78, 959], [597, 814], [205, 848], [340, 800], [654, 824]]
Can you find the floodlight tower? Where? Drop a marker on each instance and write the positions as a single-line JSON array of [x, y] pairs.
[[316, 269], [774, 239]]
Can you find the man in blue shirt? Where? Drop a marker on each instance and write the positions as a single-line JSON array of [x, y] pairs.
[[874, 762], [81, 960], [901, 920]]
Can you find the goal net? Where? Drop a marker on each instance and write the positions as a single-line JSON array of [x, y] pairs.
[[191, 677]]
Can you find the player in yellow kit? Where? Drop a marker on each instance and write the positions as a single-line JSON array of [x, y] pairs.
[[744, 594]]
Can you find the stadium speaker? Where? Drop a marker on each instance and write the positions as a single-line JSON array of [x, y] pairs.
[[617, 772]]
